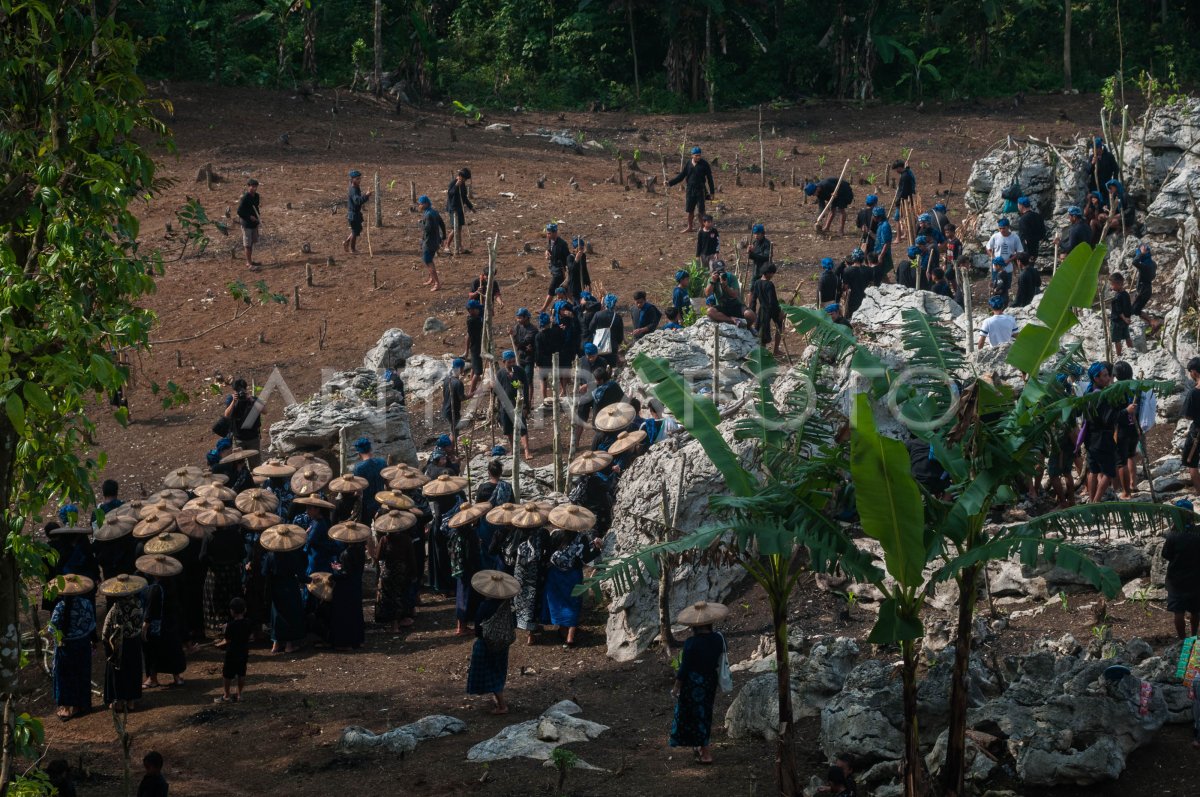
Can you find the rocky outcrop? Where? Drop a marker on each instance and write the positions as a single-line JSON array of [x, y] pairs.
[[690, 352], [356, 741], [537, 738], [352, 404]]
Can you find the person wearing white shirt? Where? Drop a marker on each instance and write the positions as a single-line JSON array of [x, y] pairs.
[[1004, 244], [999, 328]]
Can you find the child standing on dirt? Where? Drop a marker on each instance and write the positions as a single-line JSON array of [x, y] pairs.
[[1122, 309], [153, 783], [237, 651], [355, 199], [708, 241]]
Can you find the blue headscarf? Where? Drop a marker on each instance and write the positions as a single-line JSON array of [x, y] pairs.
[[1095, 369], [610, 301], [680, 275], [996, 302], [872, 200], [543, 319], [498, 451], [362, 445], [827, 263], [832, 308], [590, 348]]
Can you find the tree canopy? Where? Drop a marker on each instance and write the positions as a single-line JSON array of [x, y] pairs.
[[667, 55]]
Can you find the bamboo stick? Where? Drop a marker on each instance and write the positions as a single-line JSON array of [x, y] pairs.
[[964, 279], [829, 205]]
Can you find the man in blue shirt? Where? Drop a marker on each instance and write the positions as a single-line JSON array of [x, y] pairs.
[[680, 298], [354, 205], [883, 246], [371, 469]]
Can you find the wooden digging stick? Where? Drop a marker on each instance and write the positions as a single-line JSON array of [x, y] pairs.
[[829, 205]]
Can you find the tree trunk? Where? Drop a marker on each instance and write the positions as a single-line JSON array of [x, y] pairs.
[[708, 63], [785, 747], [10, 605], [1066, 45], [378, 87], [637, 86], [310, 39], [955, 770], [914, 782]]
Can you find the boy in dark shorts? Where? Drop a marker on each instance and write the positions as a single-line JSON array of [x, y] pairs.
[[1121, 309], [1191, 411], [237, 651], [1127, 434], [1101, 441], [1182, 552], [475, 342]]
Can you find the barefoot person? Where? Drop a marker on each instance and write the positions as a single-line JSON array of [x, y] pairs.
[[1182, 552], [494, 635], [354, 216], [247, 213], [433, 232], [73, 631], [696, 681], [458, 198], [699, 187], [824, 192], [122, 637]]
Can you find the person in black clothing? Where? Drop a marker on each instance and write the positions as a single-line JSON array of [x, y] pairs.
[[247, 213], [588, 307], [855, 282], [940, 286], [433, 232], [153, 783], [237, 635], [557, 256], [834, 310], [244, 412], [1079, 232], [1101, 439], [1121, 311], [479, 289], [523, 333], [700, 185], [764, 303], [474, 352], [1147, 270], [906, 189], [355, 200], [708, 241], [865, 221], [458, 198], [1182, 552], [453, 394], [645, 316], [58, 772], [824, 193], [546, 343], [578, 278], [606, 392], [1030, 281], [1191, 411], [1103, 166], [759, 250], [609, 319], [1031, 228], [509, 380], [829, 287]]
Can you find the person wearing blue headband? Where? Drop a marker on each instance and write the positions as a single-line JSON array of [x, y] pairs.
[[999, 328], [829, 286], [548, 342], [1118, 209], [1147, 270], [855, 280], [607, 330], [865, 220], [645, 316], [764, 306], [458, 200], [1000, 278], [834, 311], [509, 381], [523, 334], [1078, 232], [474, 352], [883, 246], [906, 190], [906, 272], [759, 250], [699, 186], [1031, 227], [1102, 167], [454, 392], [578, 278], [1004, 244], [355, 200], [557, 255], [433, 232], [681, 298], [824, 192], [1101, 420], [727, 306], [369, 467]]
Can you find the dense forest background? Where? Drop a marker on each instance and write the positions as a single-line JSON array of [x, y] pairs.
[[669, 55]]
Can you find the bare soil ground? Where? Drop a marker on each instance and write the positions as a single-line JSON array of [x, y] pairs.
[[280, 740]]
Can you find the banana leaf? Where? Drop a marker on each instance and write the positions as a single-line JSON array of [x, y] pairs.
[[1073, 285]]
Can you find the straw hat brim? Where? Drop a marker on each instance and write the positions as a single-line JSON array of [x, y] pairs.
[[273, 469], [312, 500], [393, 521], [73, 584], [350, 532], [348, 483], [590, 462], [187, 523], [626, 441], [153, 526], [572, 518], [528, 517], [168, 543], [469, 514], [282, 538], [444, 485], [301, 461], [260, 521], [703, 613], [238, 456], [615, 417], [309, 480], [494, 584], [158, 508], [216, 492], [216, 519], [501, 515], [408, 482], [256, 499], [122, 586], [169, 495], [184, 478], [114, 529], [159, 565], [394, 500]]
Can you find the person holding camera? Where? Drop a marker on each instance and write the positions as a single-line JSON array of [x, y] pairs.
[[725, 303], [243, 412]]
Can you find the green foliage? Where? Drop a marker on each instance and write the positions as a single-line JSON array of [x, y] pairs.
[[468, 110], [698, 273], [194, 221]]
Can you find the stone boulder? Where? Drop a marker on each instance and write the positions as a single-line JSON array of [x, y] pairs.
[[816, 677], [392, 347], [880, 311], [423, 377], [690, 352], [537, 738], [351, 404], [356, 741], [680, 468]]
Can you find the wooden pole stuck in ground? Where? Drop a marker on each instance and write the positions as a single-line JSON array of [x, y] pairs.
[[378, 202], [412, 192], [571, 422], [716, 364], [762, 158], [308, 274], [964, 279], [295, 297]]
